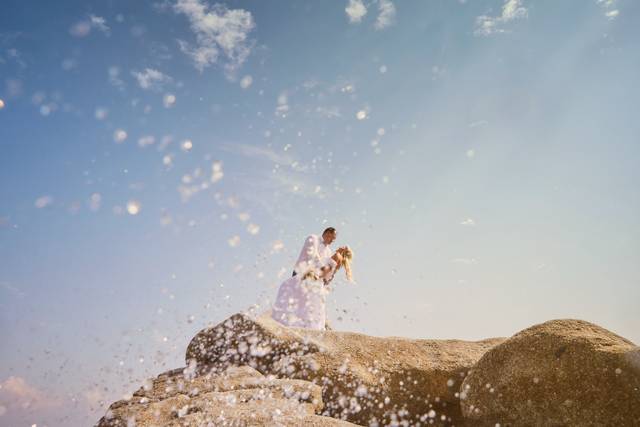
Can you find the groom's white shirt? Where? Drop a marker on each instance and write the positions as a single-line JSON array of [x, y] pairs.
[[314, 255]]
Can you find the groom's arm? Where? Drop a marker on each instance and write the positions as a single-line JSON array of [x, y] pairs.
[[309, 254], [326, 262], [329, 264]]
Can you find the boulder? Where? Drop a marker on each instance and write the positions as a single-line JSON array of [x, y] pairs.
[[236, 397], [365, 380], [558, 373]]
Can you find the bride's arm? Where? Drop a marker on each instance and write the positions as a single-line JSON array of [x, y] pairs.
[[337, 257]]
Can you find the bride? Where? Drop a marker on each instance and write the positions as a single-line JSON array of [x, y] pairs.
[[301, 299]]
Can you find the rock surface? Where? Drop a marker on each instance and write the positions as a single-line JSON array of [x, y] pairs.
[[236, 397], [558, 373], [364, 379], [250, 371]]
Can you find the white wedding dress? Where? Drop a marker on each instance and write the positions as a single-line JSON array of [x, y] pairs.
[[301, 303]]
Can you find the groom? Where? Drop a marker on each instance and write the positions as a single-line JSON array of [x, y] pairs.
[[316, 252], [316, 255]]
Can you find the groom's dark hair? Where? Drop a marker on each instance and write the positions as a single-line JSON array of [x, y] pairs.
[[329, 230]]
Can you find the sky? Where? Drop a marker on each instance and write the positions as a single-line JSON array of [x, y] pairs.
[[161, 164]]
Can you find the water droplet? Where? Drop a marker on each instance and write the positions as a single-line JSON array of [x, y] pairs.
[[169, 100], [246, 81], [119, 135], [133, 207]]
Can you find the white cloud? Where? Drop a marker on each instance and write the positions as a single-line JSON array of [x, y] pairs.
[[217, 29], [478, 123], [355, 10], [468, 222], [387, 14], [608, 6], [151, 79], [84, 27], [100, 24], [511, 10]]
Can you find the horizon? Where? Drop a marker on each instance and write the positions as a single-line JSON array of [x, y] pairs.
[[163, 162]]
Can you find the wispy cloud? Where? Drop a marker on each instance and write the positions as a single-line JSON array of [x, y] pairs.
[[99, 23], [13, 55], [469, 222], [17, 393], [328, 112], [217, 29], [511, 10], [292, 180], [151, 79], [295, 184], [387, 14], [255, 151], [355, 10], [9, 287]]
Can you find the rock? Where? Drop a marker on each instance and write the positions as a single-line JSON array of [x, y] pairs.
[[558, 373], [364, 379], [236, 397]]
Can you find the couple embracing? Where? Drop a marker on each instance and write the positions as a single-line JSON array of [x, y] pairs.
[[301, 300]]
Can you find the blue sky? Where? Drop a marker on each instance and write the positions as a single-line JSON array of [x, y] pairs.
[[161, 164]]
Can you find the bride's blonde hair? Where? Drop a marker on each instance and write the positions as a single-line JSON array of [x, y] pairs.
[[347, 257]]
